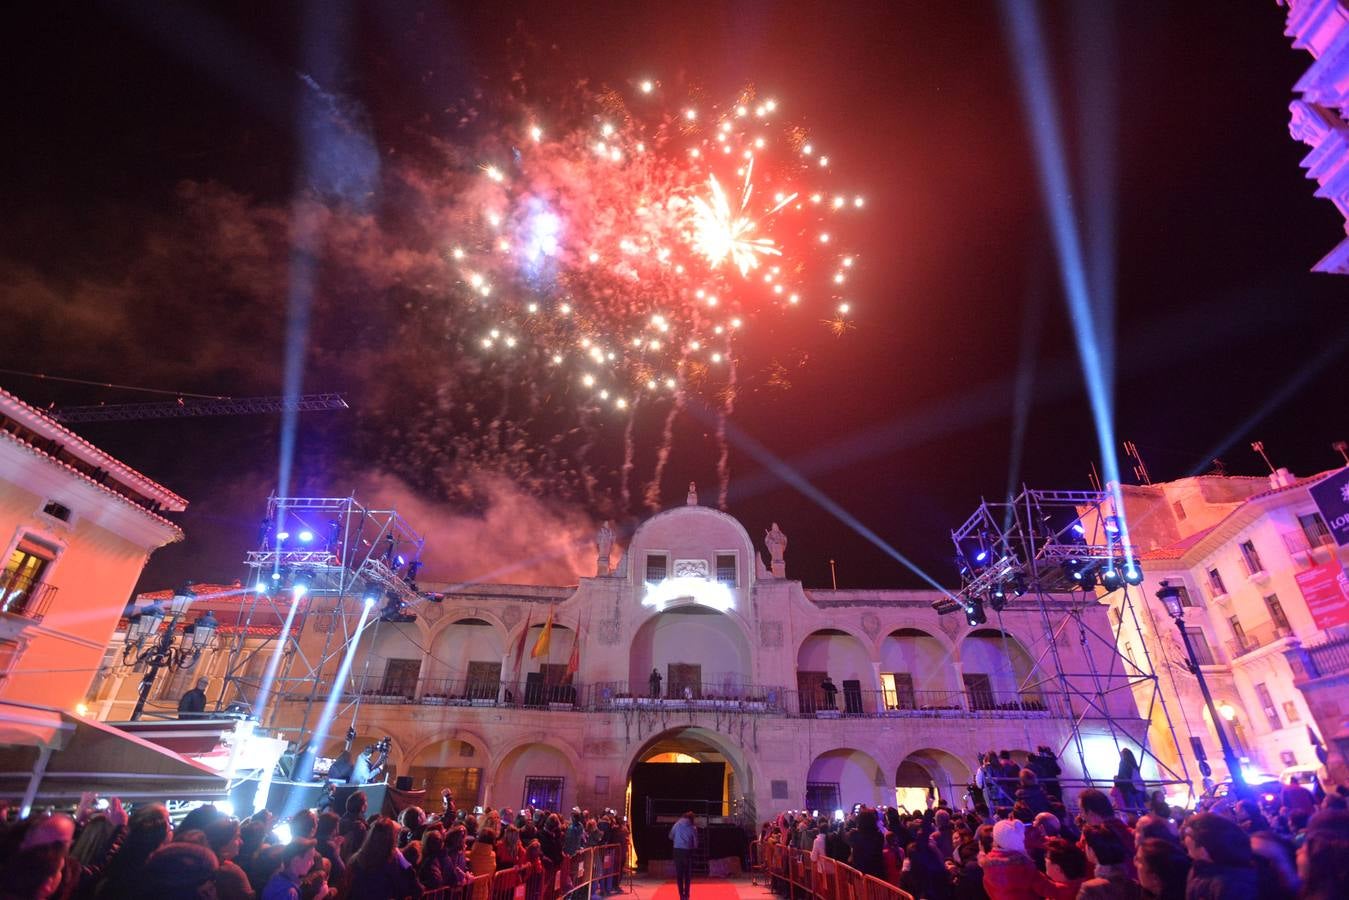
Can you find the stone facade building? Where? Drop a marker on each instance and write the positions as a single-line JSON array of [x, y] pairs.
[[471, 700]]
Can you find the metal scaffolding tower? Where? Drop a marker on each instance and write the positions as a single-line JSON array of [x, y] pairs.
[[1053, 548], [324, 556]]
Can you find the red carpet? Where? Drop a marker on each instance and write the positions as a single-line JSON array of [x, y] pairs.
[[701, 889]]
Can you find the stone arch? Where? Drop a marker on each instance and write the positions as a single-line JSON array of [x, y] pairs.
[[1012, 674], [695, 635], [743, 763], [433, 764], [457, 643], [468, 736], [922, 666], [856, 773], [501, 793], [951, 774], [844, 657], [456, 614]]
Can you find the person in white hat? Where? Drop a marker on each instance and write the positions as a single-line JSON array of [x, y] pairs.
[[1009, 873]]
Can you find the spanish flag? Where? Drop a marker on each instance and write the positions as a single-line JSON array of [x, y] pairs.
[[545, 638], [573, 661]]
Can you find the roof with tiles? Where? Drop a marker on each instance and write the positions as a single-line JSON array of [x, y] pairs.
[[42, 435]]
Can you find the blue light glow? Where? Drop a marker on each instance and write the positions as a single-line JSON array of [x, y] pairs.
[[1095, 340]]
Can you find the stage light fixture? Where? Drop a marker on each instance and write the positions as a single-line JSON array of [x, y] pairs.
[[997, 598], [974, 612], [1111, 579], [1133, 575], [1017, 585], [301, 583], [1112, 527], [281, 536], [306, 536]]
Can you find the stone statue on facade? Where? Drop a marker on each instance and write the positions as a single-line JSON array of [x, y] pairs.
[[604, 543], [776, 542], [1310, 123], [692, 498]]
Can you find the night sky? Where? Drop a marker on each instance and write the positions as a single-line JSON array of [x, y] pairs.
[[153, 158]]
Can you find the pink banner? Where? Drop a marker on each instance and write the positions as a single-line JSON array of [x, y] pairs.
[[1326, 591]]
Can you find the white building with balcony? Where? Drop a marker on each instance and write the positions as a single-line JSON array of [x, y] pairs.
[[1254, 561]]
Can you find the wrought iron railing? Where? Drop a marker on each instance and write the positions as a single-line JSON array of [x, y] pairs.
[[618, 696], [1301, 542], [1253, 639], [22, 595]]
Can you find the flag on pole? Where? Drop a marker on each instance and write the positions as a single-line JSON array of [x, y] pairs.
[[573, 661], [520, 647], [542, 645]]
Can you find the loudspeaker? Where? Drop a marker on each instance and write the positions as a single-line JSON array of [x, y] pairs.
[[404, 783]]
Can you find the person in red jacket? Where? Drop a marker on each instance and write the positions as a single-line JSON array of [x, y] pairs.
[[1009, 873]]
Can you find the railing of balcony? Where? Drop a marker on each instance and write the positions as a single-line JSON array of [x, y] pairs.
[[1300, 542], [21, 595], [925, 704], [618, 696], [1261, 635], [1329, 658]]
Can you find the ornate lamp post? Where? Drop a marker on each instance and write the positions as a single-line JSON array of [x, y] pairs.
[[1170, 597], [149, 646]]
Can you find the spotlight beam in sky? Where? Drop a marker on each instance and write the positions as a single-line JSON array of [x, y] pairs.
[[1030, 58], [765, 457]]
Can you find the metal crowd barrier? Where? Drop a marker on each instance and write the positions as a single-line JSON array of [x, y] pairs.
[[795, 874], [573, 879]]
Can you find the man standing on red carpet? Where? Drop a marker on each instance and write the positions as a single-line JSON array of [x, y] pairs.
[[685, 838]]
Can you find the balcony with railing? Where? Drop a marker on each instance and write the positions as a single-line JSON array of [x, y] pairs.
[[25, 597], [1254, 638], [1300, 543], [618, 696]]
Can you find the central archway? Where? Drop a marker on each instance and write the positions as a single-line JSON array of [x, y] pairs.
[[686, 769], [691, 647]]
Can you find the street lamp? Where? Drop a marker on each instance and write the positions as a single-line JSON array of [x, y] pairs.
[[147, 645], [1170, 597]]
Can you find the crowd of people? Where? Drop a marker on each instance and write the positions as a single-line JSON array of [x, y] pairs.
[[1024, 844], [114, 853]]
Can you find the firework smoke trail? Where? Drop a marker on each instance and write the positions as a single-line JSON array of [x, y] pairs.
[[588, 479], [727, 408], [629, 459], [663, 455]]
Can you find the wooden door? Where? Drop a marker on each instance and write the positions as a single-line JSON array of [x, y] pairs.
[[400, 678], [808, 691], [684, 675], [484, 680], [980, 690]]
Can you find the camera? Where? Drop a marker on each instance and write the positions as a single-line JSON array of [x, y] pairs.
[[383, 744]]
